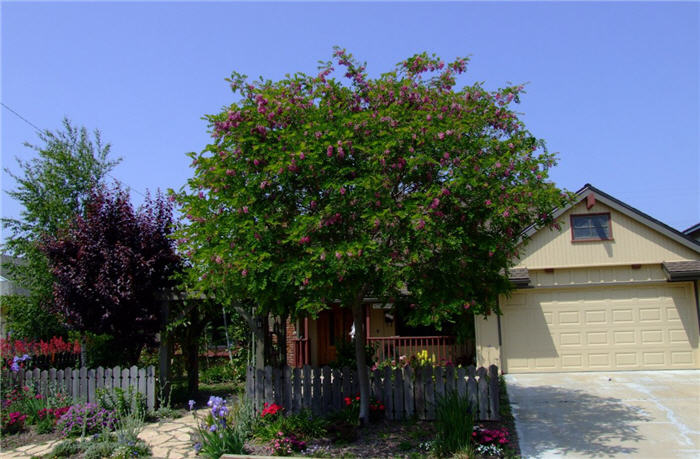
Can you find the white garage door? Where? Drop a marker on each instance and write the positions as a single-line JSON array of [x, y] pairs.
[[600, 328]]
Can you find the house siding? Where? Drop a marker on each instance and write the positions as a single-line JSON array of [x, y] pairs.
[[633, 243]]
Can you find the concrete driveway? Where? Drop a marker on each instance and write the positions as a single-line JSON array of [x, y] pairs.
[[645, 414]]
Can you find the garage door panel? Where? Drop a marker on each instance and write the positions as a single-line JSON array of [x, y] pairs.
[[601, 328]]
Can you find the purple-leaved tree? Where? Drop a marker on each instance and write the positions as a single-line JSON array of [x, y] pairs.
[[111, 265]]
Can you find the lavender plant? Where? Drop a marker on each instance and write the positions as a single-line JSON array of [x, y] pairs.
[[85, 419]]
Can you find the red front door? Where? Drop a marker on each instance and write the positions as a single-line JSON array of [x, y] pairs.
[[334, 325]]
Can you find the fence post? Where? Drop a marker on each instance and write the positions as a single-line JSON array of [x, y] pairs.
[[327, 395], [91, 396], [134, 378], [277, 386], [100, 375], [142, 382], [429, 393], [125, 379], [116, 377], [419, 393], [409, 408], [439, 383], [337, 381], [151, 387], [449, 379], [268, 385], [296, 396], [317, 395], [472, 390], [306, 389], [44, 383], [287, 385], [461, 382], [483, 394], [494, 389], [398, 394], [388, 396]]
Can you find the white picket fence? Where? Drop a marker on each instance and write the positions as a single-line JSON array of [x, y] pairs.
[[82, 384]]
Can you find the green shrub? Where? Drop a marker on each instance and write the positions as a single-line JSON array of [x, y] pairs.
[[219, 373], [454, 425]]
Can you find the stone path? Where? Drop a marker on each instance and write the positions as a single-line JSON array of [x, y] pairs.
[[167, 439]]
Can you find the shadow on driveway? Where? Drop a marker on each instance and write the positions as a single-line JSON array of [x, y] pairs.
[[564, 421]]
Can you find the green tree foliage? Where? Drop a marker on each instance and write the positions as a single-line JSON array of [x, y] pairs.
[[52, 188], [315, 190]]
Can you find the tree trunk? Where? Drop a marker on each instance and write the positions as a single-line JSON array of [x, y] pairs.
[[360, 355]]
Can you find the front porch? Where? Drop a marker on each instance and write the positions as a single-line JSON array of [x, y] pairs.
[[319, 341]]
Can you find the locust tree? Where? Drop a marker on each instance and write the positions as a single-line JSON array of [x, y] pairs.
[[317, 189]]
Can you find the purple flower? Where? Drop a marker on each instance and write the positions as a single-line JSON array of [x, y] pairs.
[[191, 403]]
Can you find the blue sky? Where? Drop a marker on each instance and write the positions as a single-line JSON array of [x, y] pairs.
[[612, 87]]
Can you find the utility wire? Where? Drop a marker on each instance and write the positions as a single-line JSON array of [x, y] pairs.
[[40, 131]]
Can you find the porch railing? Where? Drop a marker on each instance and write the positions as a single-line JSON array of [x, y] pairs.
[[442, 348]]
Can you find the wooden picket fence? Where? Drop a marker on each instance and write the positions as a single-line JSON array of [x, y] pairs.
[[405, 392], [82, 384]]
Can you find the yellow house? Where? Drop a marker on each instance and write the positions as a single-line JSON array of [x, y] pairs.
[[615, 289]]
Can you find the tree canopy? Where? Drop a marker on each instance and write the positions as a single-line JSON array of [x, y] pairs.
[[51, 188], [316, 190], [111, 265], [398, 184]]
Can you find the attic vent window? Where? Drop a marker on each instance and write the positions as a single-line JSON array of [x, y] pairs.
[[591, 227]]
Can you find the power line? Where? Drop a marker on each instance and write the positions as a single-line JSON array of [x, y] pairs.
[[40, 131], [23, 118]]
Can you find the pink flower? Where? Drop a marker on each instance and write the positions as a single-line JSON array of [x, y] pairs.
[[302, 155], [329, 151], [245, 209], [342, 190], [488, 202], [441, 135], [244, 272], [421, 224], [323, 256], [256, 162], [305, 281], [506, 213], [435, 203], [338, 255], [445, 192]]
